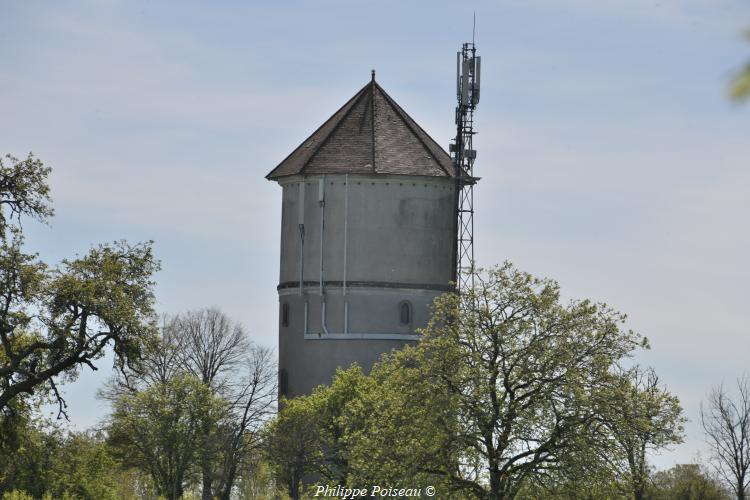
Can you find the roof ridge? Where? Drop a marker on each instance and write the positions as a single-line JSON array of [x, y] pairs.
[[351, 103], [411, 123], [372, 84]]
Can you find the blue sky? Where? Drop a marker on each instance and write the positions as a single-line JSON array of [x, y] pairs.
[[611, 159]]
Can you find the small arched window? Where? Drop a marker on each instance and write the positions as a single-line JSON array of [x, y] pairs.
[[285, 314], [404, 310]]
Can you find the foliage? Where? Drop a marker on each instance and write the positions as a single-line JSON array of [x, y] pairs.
[[53, 320], [740, 89], [309, 436], [215, 349], [51, 463], [208, 347], [159, 430], [726, 422], [501, 386], [257, 482], [508, 393], [294, 443], [638, 415], [402, 427], [23, 190], [686, 482]]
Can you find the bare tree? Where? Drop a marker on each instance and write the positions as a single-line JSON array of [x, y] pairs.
[[209, 347], [215, 349], [249, 409], [726, 423], [212, 345]]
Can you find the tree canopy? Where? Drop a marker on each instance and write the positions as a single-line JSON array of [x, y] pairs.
[[509, 390], [740, 88], [55, 319]]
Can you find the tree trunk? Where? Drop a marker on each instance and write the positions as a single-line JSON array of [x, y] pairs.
[[294, 486], [206, 465], [206, 493], [227, 488]]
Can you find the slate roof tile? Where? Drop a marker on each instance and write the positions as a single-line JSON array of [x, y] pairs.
[[370, 134]]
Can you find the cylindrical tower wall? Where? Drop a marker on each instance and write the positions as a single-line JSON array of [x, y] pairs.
[[386, 246]]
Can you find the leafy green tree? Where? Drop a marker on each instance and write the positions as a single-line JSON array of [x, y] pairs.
[[257, 482], [740, 89], [50, 462], [54, 320], [639, 416], [686, 482], [83, 468], [207, 346], [159, 430], [294, 445], [17, 495], [23, 190], [306, 438], [564, 487], [403, 427], [508, 394], [502, 384], [33, 455]]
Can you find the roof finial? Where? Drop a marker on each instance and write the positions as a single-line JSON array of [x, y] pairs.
[[373, 75]]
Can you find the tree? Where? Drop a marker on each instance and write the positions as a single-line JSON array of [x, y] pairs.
[[686, 482], [213, 350], [239, 434], [740, 89], [23, 190], [639, 415], [294, 445], [54, 320], [53, 463], [159, 430], [308, 437], [726, 423], [635, 414], [502, 384]]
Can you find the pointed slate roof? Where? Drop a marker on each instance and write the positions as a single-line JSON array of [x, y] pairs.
[[370, 134]]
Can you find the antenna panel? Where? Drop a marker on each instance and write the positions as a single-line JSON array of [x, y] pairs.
[[477, 75], [458, 73], [465, 83]]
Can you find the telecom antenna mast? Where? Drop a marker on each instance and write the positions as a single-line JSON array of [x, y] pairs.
[[468, 66]]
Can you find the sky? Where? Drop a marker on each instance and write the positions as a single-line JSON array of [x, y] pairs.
[[609, 154]]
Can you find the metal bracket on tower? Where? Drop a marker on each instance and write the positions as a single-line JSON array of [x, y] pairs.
[[468, 70]]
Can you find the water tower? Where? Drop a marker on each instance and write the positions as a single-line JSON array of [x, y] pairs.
[[368, 239]]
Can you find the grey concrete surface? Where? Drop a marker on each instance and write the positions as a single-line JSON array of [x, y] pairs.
[[389, 243]]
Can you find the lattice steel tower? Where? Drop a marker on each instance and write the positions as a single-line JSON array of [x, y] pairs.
[[468, 66]]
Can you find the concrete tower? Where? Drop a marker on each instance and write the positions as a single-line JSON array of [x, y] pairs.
[[367, 239]]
